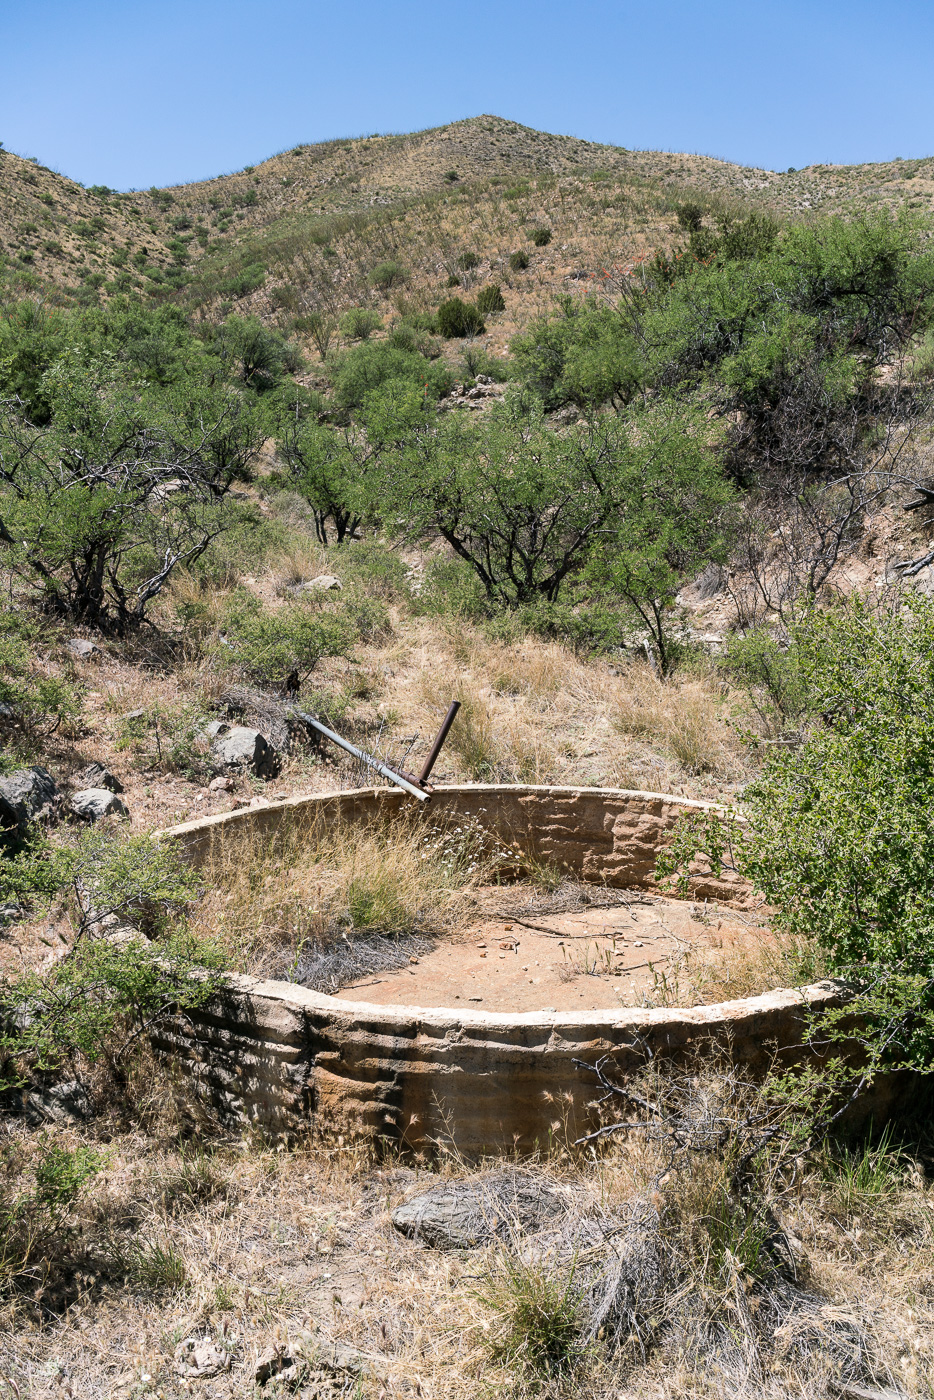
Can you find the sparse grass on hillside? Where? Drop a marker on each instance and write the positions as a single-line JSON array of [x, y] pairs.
[[313, 223]]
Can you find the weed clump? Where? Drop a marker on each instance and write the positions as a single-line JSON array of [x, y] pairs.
[[458, 319], [490, 300]]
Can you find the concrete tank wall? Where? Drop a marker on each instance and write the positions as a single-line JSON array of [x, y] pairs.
[[277, 1055]]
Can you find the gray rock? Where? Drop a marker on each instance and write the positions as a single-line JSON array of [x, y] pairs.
[[220, 785], [276, 1363], [97, 776], [240, 747], [322, 583], [65, 1104], [212, 731], [80, 647], [26, 796], [710, 582], [307, 1359], [464, 1214], [199, 1358], [94, 803], [9, 912]]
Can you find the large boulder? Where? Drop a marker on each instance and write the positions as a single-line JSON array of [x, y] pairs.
[[94, 803], [26, 796], [240, 747], [95, 775]]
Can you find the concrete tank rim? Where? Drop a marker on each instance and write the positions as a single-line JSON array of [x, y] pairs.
[[445, 1019], [220, 819]]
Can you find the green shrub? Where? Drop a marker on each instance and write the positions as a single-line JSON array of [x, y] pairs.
[[37, 1197], [478, 360], [467, 261], [368, 367], [450, 176], [167, 739], [320, 326], [538, 1316], [540, 236], [242, 283], [359, 323], [690, 215], [451, 588], [838, 837], [457, 319], [490, 300], [518, 262], [374, 569], [406, 337], [268, 646], [453, 280], [387, 274], [33, 704], [258, 355]]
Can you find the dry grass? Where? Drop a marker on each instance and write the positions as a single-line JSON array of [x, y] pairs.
[[328, 903], [700, 975], [535, 712], [254, 1249]]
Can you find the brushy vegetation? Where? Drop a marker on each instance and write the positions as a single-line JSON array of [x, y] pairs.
[[732, 402], [331, 903]]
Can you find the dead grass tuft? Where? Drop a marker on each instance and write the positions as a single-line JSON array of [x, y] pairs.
[[323, 903]]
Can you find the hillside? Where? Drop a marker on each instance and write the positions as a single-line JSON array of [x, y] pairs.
[[304, 229]]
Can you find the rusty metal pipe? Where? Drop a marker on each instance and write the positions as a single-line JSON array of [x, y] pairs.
[[437, 746], [367, 758]]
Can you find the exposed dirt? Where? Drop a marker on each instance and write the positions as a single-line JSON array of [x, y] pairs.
[[594, 958]]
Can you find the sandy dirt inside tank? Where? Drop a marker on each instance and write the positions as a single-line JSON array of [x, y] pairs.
[[587, 959]]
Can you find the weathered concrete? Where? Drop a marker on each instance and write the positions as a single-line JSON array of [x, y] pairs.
[[276, 1054], [604, 835]]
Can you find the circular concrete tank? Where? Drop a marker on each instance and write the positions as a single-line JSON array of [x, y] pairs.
[[277, 1055]]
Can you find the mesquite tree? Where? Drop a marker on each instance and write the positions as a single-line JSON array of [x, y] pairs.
[[101, 504]]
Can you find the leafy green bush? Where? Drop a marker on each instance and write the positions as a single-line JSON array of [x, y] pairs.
[[457, 319], [537, 1327], [268, 646], [587, 355], [541, 237], [241, 284], [373, 569], [467, 261], [37, 1197], [771, 676], [478, 360], [320, 327], [369, 367], [33, 704], [387, 274], [258, 356], [359, 323], [97, 1000], [519, 261], [166, 738], [838, 837], [490, 300], [690, 215], [100, 506]]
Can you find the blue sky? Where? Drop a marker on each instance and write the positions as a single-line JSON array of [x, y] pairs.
[[130, 94]]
